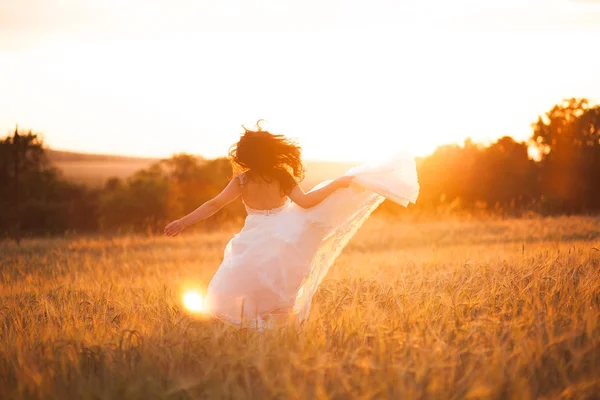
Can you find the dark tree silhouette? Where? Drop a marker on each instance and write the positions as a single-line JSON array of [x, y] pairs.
[[568, 137], [33, 197], [504, 177], [24, 169]]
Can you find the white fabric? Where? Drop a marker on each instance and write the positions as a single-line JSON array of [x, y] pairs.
[[275, 264]]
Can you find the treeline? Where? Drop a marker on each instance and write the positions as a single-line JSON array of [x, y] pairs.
[[36, 200], [501, 178]]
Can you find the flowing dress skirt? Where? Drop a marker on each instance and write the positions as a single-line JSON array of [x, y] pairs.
[[275, 264]]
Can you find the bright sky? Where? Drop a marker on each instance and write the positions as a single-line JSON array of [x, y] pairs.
[[348, 79]]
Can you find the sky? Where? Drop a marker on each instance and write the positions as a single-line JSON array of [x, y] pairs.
[[350, 80]]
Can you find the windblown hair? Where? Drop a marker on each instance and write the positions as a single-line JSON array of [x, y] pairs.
[[269, 156]]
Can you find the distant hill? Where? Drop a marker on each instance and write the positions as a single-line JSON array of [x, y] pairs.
[[57, 156], [95, 169]]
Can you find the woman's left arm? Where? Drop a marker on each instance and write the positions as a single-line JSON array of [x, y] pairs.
[[230, 193]]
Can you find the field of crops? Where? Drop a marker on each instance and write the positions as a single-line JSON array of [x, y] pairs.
[[426, 309]]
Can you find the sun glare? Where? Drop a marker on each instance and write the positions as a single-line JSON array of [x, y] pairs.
[[193, 301]]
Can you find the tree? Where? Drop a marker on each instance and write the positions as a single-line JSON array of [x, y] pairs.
[[138, 205], [504, 177], [568, 137], [445, 176], [34, 199], [167, 190], [24, 174]]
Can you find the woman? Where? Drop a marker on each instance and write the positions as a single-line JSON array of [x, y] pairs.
[[290, 238]]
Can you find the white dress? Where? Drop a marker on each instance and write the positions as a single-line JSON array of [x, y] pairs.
[[275, 264]]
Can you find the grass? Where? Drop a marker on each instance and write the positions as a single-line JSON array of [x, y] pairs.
[[449, 309]]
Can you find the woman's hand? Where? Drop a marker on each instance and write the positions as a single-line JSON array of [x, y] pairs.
[[343, 181], [174, 228]]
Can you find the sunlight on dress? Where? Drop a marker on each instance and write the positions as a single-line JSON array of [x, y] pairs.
[[274, 265]]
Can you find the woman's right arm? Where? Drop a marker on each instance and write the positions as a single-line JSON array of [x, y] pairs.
[[311, 199]]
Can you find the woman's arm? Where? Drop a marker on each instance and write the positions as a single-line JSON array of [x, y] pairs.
[[311, 199], [230, 193]]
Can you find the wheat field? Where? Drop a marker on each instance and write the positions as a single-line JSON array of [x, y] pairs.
[[429, 310]]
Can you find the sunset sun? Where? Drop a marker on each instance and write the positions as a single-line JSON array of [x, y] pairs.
[[193, 301]]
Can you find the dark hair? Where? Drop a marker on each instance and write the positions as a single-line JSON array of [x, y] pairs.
[[269, 156]]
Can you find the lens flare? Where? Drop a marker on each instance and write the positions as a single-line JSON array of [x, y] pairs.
[[193, 301]]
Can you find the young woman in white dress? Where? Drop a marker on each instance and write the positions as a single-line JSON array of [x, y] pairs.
[[273, 266]]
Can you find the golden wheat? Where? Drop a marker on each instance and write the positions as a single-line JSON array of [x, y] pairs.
[[452, 309]]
